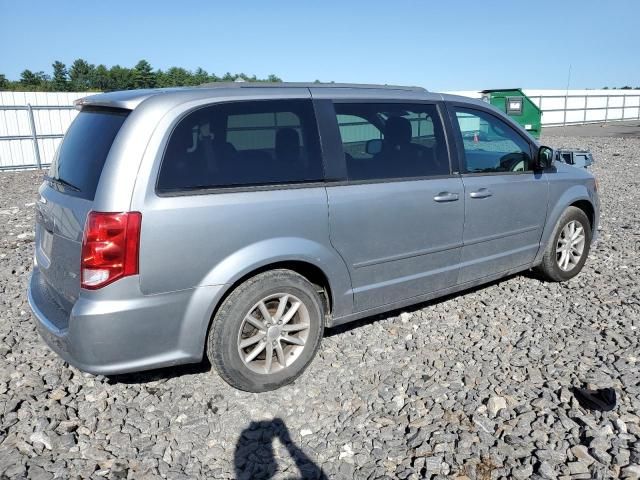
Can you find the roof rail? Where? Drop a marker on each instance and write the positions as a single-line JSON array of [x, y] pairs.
[[306, 85]]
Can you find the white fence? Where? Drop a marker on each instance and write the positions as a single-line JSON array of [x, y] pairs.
[[33, 123], [586, 106], [574, 107]]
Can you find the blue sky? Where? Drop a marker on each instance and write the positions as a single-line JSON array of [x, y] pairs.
[[441, 45]]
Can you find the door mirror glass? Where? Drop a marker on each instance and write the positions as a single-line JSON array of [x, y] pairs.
[[545, 157], [374, 147]]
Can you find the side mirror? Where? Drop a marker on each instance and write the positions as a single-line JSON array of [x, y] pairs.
[[373, 147], [544, 158]]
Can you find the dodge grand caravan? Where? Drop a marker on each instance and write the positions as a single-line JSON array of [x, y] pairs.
[[241, 220]]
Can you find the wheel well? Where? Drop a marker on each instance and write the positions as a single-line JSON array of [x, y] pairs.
[[312, 273], [587, 208]]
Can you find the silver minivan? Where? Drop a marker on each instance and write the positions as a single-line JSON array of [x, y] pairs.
[[241, 220]]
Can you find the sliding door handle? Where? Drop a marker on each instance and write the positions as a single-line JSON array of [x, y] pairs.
[[446, 197], [482, 193]]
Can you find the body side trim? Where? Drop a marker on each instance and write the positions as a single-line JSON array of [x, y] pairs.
[[426, 251]]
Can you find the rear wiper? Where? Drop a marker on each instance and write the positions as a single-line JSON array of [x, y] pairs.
[[62, 182]]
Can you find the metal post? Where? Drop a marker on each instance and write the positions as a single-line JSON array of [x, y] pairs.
[[624, 102], [564, 120], [34, 136], [606, 111], [541, 112], [584, 116]]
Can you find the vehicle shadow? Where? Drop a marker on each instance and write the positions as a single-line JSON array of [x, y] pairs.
[[337, 330], [160, 374], [254, 456]]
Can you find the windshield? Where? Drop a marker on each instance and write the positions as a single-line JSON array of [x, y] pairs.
[[80, 159]]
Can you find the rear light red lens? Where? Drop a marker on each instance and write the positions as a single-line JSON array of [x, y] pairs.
[[109, 248]]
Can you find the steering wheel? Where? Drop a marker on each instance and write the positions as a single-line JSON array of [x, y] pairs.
[[513, 162]]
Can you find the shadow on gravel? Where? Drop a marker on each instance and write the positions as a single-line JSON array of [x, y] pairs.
[[419, 306], [254, 456], [602, 400], [160, 374]]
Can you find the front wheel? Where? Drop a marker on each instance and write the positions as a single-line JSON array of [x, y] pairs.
[[267, 331], [568, 248]]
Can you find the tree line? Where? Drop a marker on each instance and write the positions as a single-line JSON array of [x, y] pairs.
[[82, 76]]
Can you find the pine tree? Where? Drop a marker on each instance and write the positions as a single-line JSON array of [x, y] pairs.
[[143, 75], [83, 76], [178, 77], [200, 76], [29, 78], [80, 75], [101, 79], [60, 77], [121, 78]]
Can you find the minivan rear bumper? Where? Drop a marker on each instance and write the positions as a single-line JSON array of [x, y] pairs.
[[126, 334]]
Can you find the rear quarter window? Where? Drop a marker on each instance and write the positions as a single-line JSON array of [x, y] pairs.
[[241, 144], [84, 149]]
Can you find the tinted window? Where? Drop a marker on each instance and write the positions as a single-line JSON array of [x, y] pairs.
[[355, 132], [490, 145], [85, 147], [242, 144], [383, 141]]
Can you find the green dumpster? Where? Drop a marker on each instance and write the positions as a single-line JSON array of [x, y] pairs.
[[518, 106]]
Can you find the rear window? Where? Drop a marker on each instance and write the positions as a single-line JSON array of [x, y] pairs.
[[266, 142], [85, 147]]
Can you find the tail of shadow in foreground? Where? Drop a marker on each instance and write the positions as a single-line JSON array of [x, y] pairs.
[[254, 454]]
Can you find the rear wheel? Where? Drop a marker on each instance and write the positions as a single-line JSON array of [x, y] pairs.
[[568, 248], [267, 331]]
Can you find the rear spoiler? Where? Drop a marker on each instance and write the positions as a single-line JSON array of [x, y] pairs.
[[127, 100]]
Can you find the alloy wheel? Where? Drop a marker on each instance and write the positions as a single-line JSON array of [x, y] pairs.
[[570, 246], [273, 333]]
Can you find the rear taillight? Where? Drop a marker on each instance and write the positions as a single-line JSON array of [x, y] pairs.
[[109, 248]]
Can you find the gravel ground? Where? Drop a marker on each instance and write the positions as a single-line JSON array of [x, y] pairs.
[[477, 385]]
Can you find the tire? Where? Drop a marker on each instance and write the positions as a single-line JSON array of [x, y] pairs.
[[233, 359], [552, 267]]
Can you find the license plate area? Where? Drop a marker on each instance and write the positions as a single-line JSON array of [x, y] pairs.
[[46, 243]]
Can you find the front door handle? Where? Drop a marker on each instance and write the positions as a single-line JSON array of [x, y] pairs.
[[482, 193], [446, 197]]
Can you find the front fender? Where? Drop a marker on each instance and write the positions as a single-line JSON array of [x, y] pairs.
[[568, 197], [286, 249]]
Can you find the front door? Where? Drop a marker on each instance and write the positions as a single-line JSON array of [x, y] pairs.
[[505, 200], [397, 220]]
